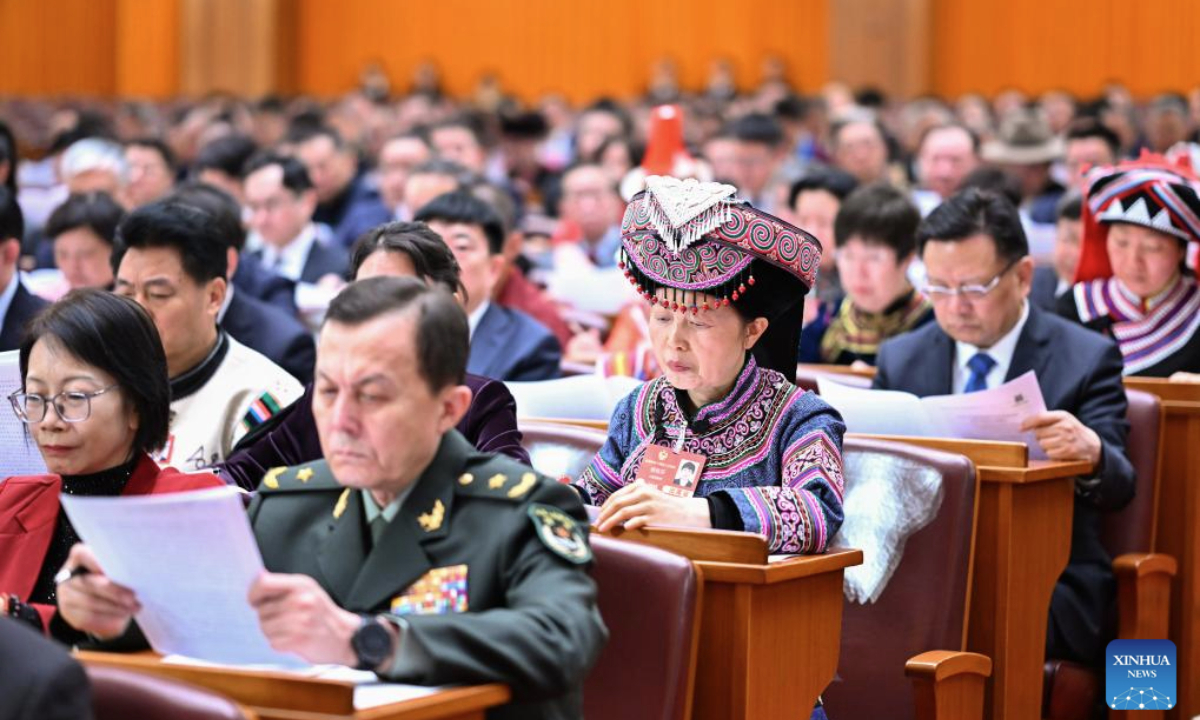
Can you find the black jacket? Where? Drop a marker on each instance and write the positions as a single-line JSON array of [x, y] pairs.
[[1079, 371]]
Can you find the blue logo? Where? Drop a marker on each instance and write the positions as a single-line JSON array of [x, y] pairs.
[[1140, 675]]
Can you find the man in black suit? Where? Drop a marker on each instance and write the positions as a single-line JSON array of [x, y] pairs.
[[506, 344], [17, 305], [979, 275], [349, 201], [259, 325], [281, 200], [40, 681]]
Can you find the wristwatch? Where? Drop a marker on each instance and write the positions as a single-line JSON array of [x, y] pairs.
[[372, 643]]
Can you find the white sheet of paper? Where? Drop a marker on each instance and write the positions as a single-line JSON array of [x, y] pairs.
[[369, 690], [19, 454], [993, 414], [191, 558]]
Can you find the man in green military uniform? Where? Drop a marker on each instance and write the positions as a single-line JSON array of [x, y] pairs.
[[406, 551]]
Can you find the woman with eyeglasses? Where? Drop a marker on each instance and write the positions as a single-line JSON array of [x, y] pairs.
[[875, 232], [96, 401]]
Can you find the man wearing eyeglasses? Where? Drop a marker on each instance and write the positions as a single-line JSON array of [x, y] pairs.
[[979, 276]]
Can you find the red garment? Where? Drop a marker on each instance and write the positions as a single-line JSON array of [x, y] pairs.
[[29, 510], [518, 293]]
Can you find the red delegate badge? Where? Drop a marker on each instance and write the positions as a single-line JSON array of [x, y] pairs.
[[675, 473]]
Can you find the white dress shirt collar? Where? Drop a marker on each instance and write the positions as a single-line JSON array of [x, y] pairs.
[[475, 316], [289, 260], [1001, 351]]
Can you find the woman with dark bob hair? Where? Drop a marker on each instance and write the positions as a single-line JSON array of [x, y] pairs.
[[94, 397]]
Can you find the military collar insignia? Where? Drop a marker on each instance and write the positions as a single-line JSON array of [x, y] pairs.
[[432, 520], [340, 508], [561, 533]]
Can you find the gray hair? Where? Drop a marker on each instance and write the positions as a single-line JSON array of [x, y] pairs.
[[94, 154]]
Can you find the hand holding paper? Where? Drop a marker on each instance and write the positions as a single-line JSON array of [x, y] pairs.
[[1062, 437], [91, 602]]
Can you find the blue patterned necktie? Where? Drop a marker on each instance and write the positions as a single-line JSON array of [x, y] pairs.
[[980, 365]]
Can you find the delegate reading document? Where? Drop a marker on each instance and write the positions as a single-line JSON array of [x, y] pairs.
[[191, 558], [993, 414]]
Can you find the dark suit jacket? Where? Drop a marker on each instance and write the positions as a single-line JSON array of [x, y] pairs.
[[1045, 283], [324, 260], [290, 437], [40, 680], [24, 306], [1080, 372], [510, 345], [359, 210], [272, 332], [258, 282]]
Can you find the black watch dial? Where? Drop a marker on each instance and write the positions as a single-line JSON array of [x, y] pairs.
[[372, 643]]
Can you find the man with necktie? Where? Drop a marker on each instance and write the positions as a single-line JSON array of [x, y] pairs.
[[987, 333]]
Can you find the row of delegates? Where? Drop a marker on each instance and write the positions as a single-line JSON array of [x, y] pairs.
[[170, 257], [396, 249], [423, 560], [875, 231], [726, 283], [986, 333], [1133, 283], [96, 410]]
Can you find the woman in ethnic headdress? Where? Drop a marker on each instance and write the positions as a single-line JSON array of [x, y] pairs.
[[726, 285], [1132, 281]]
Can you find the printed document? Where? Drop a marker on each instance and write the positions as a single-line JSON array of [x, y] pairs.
[[993, 414], [190, 557]]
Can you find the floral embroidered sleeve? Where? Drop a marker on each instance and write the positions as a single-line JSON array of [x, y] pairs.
[[803, 512], [603, 476]]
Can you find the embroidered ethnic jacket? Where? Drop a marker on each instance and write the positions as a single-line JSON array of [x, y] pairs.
[[772, 448]]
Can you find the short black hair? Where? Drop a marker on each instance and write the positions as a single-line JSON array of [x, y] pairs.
[[303, 132], [462, 207], [430, 255], [228, 154], [447, 168], [295, 175], [1070, 206], [225, 210], [993, 179], [835, 130], [8, 154], [614, 108], [12, 220], [116, 335], [442, 336], [757, 128], [878, 213], [462, 122], [157, 145], [1088, 127], [96, 211], [974, 212], [181, 226], [837, 183]]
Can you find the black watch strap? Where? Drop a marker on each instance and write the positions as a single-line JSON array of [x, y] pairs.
[[25, 613]]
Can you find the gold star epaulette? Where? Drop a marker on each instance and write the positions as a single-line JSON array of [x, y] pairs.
[[499, 480], [299, 478]]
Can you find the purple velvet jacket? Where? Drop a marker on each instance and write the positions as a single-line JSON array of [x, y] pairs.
[[290, 438]]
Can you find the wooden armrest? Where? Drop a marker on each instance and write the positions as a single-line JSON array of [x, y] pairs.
[[949, 685], [1141, 564], [1144, 595]]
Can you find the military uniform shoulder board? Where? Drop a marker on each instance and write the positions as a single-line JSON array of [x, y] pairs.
[[561, 533], [298, 478], [503, 481]]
